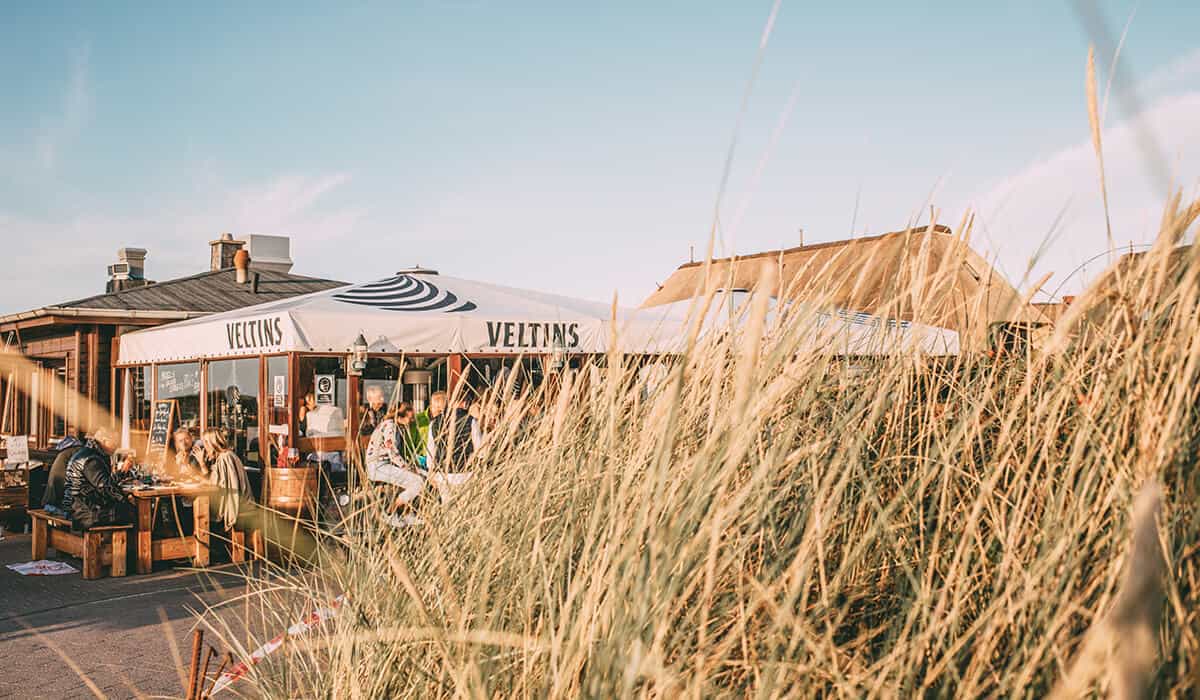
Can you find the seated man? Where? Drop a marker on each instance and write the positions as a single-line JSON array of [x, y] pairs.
[[56, 481], [453, 438], [92, 495], [189, 455]]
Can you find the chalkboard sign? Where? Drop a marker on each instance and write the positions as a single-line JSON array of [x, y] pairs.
[[162, 422]]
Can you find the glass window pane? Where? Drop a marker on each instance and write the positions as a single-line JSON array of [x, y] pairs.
[[276, 394], [233, 405], [182, 382], [322, 397], [321, 412]]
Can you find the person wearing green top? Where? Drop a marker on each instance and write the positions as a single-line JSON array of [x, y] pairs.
[[421, 422]]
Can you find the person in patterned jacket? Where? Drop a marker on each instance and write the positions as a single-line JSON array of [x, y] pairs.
[[93, 495], [386, 462]]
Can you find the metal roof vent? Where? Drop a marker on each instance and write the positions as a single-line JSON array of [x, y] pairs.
[[416, 270]]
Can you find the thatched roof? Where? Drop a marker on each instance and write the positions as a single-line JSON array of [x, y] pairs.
[[1125, 283], [925, 275]]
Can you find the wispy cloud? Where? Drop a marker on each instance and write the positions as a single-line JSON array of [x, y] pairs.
[[60, 129], [1054, 204], [77, 246], [1179, 74]]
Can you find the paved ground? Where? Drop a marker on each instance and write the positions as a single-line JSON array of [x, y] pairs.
[[125, 636]]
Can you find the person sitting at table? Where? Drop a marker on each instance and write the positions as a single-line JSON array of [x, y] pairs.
[[308, 403], [373, 413], [56, 480], [321, 421], [386, 464], [189, 456], [408, 437], [453, 438], [93, 494], [223, 469]]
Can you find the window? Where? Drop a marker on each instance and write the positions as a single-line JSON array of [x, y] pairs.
[[233, 405], [134, 406], [321, 412], [182, 383], [493, 374], [276, 411], [322, 399]]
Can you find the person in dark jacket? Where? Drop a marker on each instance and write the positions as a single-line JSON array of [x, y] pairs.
[[56, 480], [450, 434], [93, 495]]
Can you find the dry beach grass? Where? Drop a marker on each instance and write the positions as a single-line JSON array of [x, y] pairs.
[[775, 522]]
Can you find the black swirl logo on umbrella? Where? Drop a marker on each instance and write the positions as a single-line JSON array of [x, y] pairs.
[[405, 293]]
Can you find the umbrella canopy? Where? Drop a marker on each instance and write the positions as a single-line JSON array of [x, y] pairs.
[[412, 313]]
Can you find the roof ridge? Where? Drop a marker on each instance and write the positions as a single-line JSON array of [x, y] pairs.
[[177, 280], [937, 228]]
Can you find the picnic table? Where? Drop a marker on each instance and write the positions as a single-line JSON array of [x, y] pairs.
[[150, 548]]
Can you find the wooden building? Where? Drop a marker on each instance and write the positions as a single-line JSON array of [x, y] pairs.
[[924, 275], [69, 349]]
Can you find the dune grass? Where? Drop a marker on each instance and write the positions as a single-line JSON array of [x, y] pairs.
[[776, 522]]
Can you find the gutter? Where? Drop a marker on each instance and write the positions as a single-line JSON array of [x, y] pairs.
[[101, 313]]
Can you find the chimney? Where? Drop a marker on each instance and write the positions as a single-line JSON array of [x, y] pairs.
[[270, 253], [223, 250], [241, 264], [129, 271]]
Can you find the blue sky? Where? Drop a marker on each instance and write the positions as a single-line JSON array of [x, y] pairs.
[[570, 147]]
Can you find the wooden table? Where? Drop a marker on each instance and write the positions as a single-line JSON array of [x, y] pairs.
[[151, 549]]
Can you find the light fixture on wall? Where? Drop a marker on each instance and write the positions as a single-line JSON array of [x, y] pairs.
[[358, 355]]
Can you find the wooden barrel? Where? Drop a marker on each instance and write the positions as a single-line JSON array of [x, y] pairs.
[[292, 490]]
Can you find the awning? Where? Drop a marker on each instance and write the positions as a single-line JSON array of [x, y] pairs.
[[410, 313]]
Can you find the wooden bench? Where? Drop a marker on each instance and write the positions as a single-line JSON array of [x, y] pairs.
[[100, 546]]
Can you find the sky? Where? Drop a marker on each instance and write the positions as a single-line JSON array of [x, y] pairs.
[[580, 148]]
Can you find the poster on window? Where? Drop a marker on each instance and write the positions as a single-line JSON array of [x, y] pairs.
[[279, 393], [325, 384]]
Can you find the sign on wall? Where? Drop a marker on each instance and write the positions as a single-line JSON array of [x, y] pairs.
[[18, 451], [324, 385]]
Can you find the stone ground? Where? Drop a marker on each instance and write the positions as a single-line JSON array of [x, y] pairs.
[[63, 637]]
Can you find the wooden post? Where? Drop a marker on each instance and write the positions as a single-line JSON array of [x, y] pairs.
[[39, 538], [353, 391], [194, 672], [72, 418], [93, 375], [119, 552], [91, 555], [264, 414], [454, 368], [145, 561], [237, 545], [200, 530], [258, 544], [203, 395]]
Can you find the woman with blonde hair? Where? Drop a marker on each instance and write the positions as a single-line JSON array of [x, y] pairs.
[[225, 471]]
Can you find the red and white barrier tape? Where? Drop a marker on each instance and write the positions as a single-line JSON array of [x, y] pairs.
[[302, 627]]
